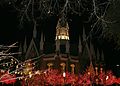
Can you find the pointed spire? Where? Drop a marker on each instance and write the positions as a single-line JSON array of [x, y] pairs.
[[98, 55], [67, 46], [43, 37], [92, 51], [34, 30], [32, 50], [41, 41], [80, 45], [102, 56], [84, 34], [89, 53], [25, 46]]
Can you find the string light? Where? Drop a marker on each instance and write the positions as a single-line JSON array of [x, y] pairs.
[[107, 77], [64, 74]]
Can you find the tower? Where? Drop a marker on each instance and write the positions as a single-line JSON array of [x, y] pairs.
[[62, 30], [62, 35]]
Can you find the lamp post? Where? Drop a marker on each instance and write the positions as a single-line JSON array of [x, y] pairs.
[[63, 70], [73, 68], [63, 66], [49, 65]]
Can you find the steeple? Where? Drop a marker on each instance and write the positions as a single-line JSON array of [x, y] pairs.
[[41, 42], [98, 55], [84, 35], [34, 30], [92, 51], [102, 57], [62, 34], [80, 45], [25, 46]]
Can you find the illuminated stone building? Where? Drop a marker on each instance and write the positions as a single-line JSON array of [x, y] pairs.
[[62, 50]]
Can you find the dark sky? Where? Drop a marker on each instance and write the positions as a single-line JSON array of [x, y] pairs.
[[11, 31], [8, 25]]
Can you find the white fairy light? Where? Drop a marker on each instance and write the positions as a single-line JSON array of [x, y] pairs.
[[107, 77], [64, 74], [30, 75]]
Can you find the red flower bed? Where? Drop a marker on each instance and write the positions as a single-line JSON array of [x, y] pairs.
[[8, 78]]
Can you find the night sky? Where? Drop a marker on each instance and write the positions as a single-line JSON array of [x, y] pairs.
[[8, 25], [11, 30]]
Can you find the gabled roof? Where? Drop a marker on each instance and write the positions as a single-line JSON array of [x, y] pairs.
[[32, 50]]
